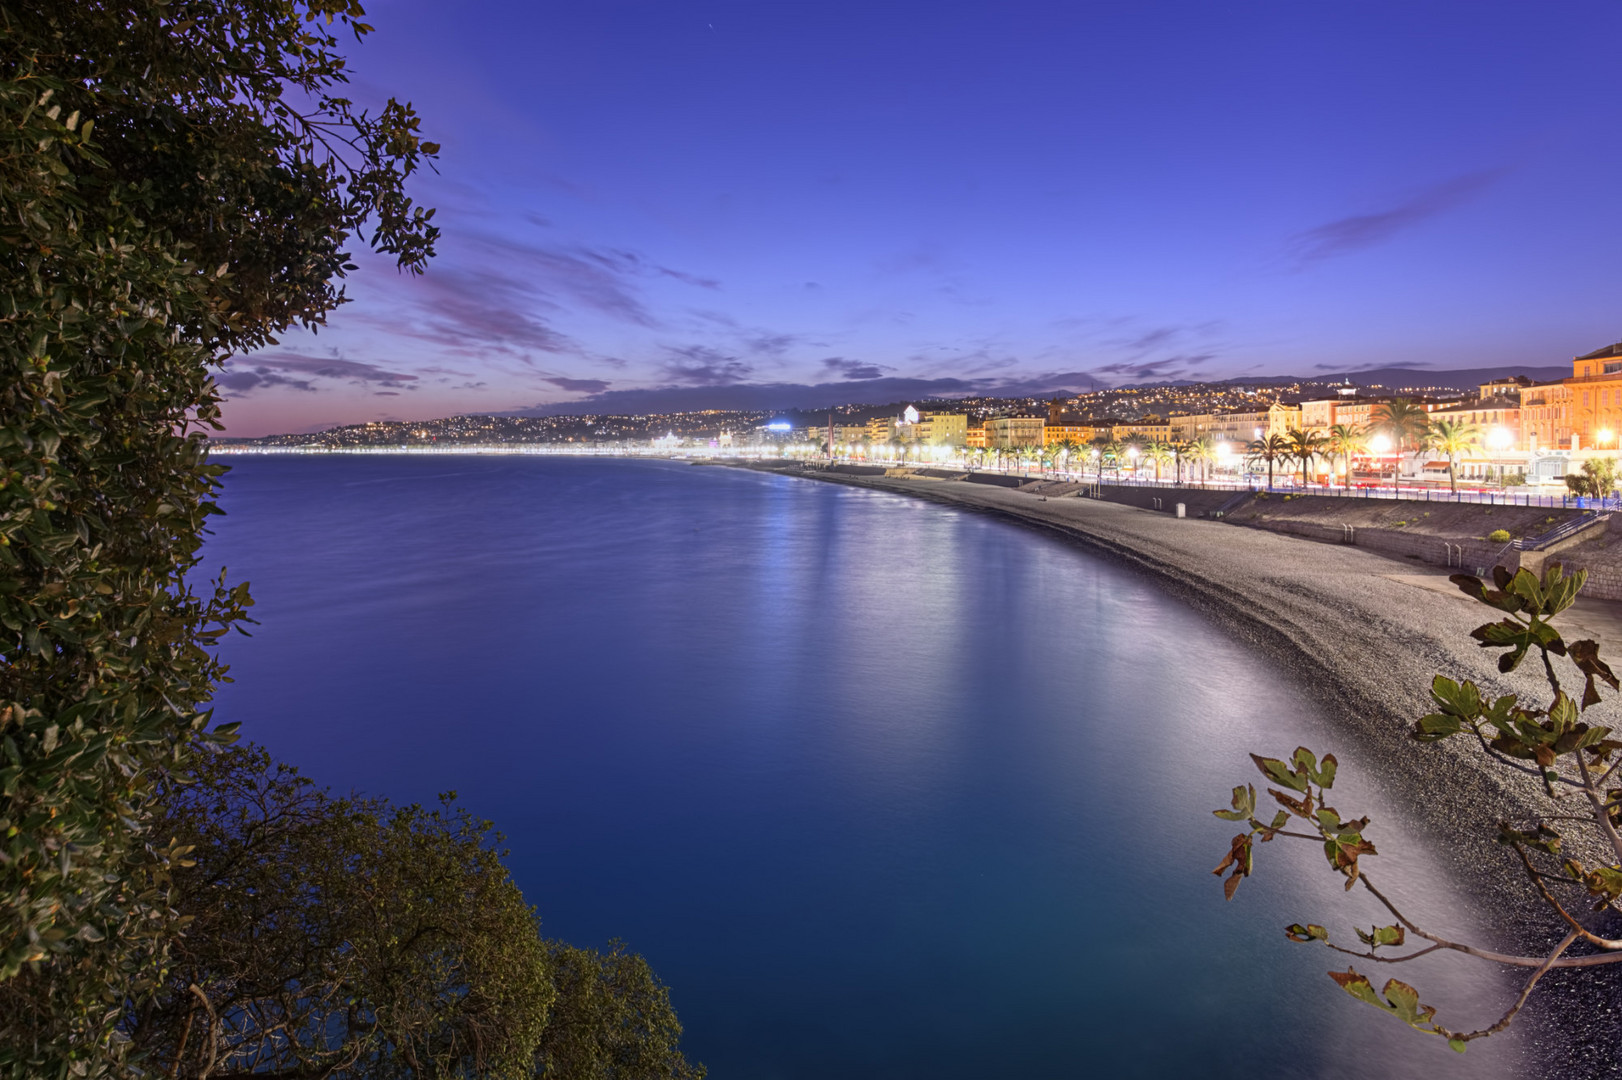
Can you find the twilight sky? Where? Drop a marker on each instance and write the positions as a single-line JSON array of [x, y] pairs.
[[656, 204]]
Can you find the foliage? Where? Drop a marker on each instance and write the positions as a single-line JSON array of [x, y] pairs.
[[1269, 449], [1404, 421], [1304, 446], [177, 182], [1345, 441], [1450, 438], [1574, 762], [1598, 478], [338, 937], [1499, 536], [611, 1020]]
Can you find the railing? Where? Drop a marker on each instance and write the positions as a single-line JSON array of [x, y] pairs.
[[1486, 497], [1560, 531]]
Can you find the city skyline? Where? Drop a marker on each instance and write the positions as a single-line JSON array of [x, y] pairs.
[[646, 203]]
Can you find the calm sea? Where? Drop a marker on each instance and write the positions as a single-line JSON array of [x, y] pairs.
[[880, 788]]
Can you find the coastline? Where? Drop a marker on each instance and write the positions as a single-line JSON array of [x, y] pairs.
[[1361, 633]]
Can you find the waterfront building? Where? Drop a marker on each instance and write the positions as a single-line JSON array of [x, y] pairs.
[[1319, 415], [1546, 421], [1068, 431], [1596, 398], [1186, 427], [881, 430], [975, 438], [1242, 427], [1007, 432], [940, 429]]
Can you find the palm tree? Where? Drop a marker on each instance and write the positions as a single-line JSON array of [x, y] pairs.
[[1304, 446], [1068, 448], [1404, 421], [1269, 449], [1452, 438], [1200, 450], [1345, 440], [1159, 451], [1101, 445]]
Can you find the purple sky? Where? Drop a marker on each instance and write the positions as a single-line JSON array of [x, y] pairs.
[[904, 196]]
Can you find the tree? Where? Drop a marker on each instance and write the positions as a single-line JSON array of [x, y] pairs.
[[1345, 441], [178, 182], [1269, 449], [1201, 450], [1597, 479], [1304, 446], [1158, 451], [349, 938], [1450, 439], [1401, 420], [1575, 763], [611, 1020]]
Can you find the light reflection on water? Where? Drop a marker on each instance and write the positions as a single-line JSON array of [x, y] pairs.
[[880, 788]]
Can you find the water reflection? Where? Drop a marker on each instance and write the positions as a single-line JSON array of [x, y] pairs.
[[882, 789]]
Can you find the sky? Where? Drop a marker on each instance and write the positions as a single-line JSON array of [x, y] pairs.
[[665, 204]]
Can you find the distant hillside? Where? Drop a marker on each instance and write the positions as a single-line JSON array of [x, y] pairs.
[[1455, 379]]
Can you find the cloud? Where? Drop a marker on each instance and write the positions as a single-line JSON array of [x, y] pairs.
[[578, 386], [1349, 234], [1172, 367], [854, 369], [502, 295], [690, 279], [700, 365], [244, 375], [771, 396]]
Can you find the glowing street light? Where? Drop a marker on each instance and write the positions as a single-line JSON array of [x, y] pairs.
[[1500, 438], [1605, 435], [1380, 444]]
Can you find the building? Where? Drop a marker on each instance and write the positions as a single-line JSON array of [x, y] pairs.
[[1071, 431], [1596, 398], [1243, 427], [932, 428], [1546, 421], [976, 438], [1319, 415], [881, 430], [1007, 432]]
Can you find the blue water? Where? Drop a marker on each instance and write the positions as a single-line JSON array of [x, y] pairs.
[[880, 788]]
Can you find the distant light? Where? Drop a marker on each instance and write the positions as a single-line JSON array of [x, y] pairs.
[[779, 425]]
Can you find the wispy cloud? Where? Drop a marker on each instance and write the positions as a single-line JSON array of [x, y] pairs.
[[1346, 235], [854, 370], [578, 386], [294, 371], [700, 365]]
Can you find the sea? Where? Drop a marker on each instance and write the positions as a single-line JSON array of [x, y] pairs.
[[881, 788]]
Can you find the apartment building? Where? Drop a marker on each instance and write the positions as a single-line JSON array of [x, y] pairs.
[[1007, 432]]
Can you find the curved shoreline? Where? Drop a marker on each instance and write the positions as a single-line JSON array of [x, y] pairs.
[[1362, 635]]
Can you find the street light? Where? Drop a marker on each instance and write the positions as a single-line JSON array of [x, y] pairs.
[[1605, 435]]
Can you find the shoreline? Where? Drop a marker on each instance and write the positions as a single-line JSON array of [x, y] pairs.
[[1363, 634]]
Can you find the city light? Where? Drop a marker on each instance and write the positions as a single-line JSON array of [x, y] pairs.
[[1502, 438], [1380, 444]]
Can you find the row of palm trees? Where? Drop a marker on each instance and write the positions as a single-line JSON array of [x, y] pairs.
[[1404, 424]]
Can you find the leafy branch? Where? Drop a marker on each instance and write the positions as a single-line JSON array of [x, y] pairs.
[[1573, 760]]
